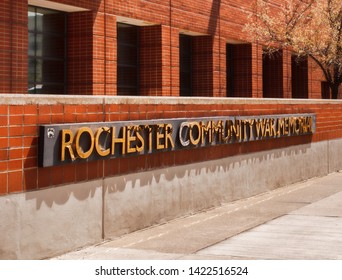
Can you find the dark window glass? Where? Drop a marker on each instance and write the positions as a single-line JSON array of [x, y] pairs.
[[185, 61], [47, 51], [128, 59]]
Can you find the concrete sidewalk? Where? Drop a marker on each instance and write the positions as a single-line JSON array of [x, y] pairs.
[[300, 221]]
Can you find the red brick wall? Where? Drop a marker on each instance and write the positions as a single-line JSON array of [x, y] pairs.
[[19, 136]]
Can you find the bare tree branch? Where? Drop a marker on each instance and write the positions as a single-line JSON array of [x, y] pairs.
[[311, 28]]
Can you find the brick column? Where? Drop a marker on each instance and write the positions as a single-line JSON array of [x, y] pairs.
[[173, 42], [150, 56], [316, 81], [91, 53], [256, 70], [159, 61], [287, 74], [110, 55], [13, 47], [220, 67], [202, 66], [80, 53]]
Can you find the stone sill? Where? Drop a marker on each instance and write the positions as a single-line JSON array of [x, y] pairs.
[[25, 99]]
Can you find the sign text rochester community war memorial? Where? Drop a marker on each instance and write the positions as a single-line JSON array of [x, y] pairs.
[[67, 143]]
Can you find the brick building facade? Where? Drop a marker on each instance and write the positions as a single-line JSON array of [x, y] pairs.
[[222, 62], [81, 61]]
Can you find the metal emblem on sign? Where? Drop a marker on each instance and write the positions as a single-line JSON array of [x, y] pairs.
[[50, 133]]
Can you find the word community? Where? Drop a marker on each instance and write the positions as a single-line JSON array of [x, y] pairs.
[[91, 141]]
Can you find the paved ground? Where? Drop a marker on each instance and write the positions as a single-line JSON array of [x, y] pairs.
[[301, 221]]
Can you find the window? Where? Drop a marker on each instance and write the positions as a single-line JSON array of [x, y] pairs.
[[47, 51], [185, 62], [128, 60]]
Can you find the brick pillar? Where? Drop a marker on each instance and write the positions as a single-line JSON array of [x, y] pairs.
[[159, 61], [287, 74], [91, 53], [220, 67], [13, 47], [110, 55], [104, 54], [80, 53], [169, 61], [256, 69], [150, 56], [173, 42], [202, 66], [98, 53], [317, 87]]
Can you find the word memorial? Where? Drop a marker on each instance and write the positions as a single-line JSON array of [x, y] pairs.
[[66, 143]]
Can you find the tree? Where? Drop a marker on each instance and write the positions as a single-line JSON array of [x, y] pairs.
[[310, 28]]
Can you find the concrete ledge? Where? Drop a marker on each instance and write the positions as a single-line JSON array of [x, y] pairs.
[[25, 99]]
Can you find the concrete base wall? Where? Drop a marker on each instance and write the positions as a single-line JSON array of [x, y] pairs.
[[135, 201], [44, 223], [40, 224], [334, 155]]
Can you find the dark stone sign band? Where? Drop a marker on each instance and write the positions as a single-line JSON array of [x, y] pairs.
[[67, 143]]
